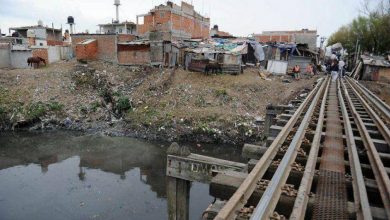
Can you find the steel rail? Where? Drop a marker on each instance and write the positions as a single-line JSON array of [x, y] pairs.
[[384, 130], [271, 195], [378, 103], [243, 193], [377, 166], [302, 199], [362, 206]]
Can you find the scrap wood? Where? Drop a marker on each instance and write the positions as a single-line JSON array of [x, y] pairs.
[[358, 69], [263, 75]]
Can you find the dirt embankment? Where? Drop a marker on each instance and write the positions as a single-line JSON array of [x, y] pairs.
[[382, 90], [163, 104]]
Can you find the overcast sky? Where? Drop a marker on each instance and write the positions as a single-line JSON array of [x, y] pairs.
[[239, 17]]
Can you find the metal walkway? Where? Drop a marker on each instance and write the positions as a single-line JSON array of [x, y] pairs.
[[331, 195]]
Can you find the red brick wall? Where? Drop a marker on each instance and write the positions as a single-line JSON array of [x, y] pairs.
[[126, 37], [133, 55], [189, 25], [106, 45], [54, 43], [31, 41], [271, 38], [41, 52], [147, 26], [162, 17], [4, 45], [87, 51]]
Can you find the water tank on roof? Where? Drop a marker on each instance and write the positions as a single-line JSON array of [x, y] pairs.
[[117, 2], [40, 23], [70, 20]]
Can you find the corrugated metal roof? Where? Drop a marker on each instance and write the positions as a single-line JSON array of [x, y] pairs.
[[375, 61], [134, 43]]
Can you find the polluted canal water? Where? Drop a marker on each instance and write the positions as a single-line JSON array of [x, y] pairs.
[[64, 175]]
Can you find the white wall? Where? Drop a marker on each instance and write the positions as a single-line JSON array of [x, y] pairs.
[[66, 53], [277, 67], [19, 58], [54, 53], [5, 59]]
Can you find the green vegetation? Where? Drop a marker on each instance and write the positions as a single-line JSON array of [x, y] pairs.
[[55, 106], [200, 101], [372, 31], [105, 94], [95, 105], [223, 95], [220, 92], [123, 104], [3, 113], [35, 110]]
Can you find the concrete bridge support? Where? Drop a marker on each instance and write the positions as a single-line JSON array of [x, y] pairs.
[[178, 194]]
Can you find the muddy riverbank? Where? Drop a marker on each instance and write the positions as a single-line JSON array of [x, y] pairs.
[[149, 103]]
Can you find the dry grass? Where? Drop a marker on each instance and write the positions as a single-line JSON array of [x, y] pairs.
[[187, 102], [380, 89]]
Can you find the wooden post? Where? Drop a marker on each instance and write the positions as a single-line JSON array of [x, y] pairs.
[[178, 193]]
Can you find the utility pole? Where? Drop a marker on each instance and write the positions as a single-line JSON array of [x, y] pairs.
[[356, 51], [322, 41]]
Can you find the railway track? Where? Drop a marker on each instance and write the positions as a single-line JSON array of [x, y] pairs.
[[331, 160]]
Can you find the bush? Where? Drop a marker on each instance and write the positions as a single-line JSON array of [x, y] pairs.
[[123, 104], [35, 110], [3, 112], [95, 105], [83, 109], [55, 106], [223, 95], [106, 95], [220, 92]]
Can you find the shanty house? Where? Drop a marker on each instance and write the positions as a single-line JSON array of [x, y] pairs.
[[375, 68], [281, 58]]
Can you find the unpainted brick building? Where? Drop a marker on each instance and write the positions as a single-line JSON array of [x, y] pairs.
[[134, 53], [183, 22], [87, 50], [40, 52], [126, 37], [106, 45], [303, 36]]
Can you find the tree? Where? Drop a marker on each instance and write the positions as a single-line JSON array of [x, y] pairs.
[[372, 30]]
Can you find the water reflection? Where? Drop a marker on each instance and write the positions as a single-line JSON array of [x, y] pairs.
[[69, 176]]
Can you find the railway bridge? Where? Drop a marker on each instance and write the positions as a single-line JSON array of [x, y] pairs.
[[327, 156]]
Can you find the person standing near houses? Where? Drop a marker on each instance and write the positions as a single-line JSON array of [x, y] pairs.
[[334, 70], [297, 72], [341, 68], [309, 69]]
